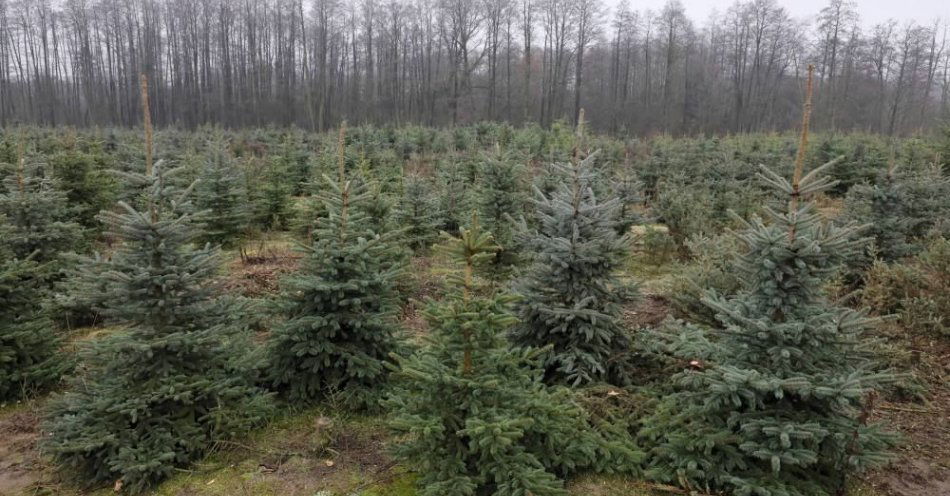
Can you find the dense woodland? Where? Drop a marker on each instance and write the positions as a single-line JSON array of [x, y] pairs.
[[314, 63]]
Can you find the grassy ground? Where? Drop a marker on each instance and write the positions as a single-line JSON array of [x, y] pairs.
[[309, 453]]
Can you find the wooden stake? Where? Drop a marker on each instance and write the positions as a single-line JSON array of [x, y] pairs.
[[803, 140], [468, 284], [341, 153], [341, 177], [891, 163], [147, 122], [344, 209], [21, 162], [800, 156], [578, 136]]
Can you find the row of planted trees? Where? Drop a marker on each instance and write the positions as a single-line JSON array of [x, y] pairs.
[[768, 406], [772, 398]]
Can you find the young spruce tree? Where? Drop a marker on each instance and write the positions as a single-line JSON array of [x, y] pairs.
[[571, 293], [338, 308], [778, 406], [501, 198], [627, 188], [419, 212], [38, 215], [28, 340], [220, 195], [474, 415], [34, 231], [158, 393], [902, 210]]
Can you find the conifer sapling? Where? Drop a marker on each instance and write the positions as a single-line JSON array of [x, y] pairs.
[[473, 414], [338, 309], [220, 195], [29, 358], [158, 392], [571, 294], [779, 405]]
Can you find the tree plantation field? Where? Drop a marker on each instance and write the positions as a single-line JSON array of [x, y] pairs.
[[475, 310]]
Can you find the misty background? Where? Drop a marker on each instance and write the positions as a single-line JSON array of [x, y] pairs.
[[680, 67]]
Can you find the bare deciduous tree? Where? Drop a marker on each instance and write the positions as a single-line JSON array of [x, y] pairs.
[[313, 63]]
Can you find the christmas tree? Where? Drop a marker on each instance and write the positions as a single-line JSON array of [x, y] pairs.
[[627, 189], [891, 227], [454, 179], [902, 211], [28, 340], [84, 177], [338, 309], [269, 192], [294, 161], [779, 405], [220, 195], [38, 216], [571, 293], [501, 199], [474, 415], [158, 393], [379, 207], [383, 215], [418, 212]]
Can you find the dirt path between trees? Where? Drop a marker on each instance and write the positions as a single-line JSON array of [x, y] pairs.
[[19, 462]]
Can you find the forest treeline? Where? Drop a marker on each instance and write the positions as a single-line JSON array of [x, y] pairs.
[[314, 63]]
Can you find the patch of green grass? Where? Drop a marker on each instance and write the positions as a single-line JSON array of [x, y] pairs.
[[295, 455], [653, 267], [15, 406], [653, 277], [861, 488], [403, 484], [90, 333], [265, 244]]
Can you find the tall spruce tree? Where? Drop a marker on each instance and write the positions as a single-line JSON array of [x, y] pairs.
[[220, 195], [473, 414], [779, 404], [338, 308], [29, 344], [158, 393], [571, 292]]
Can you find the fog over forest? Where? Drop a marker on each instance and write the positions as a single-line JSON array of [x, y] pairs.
[[314, 63]]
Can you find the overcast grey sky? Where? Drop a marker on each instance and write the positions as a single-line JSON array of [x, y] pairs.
[[872, 11]]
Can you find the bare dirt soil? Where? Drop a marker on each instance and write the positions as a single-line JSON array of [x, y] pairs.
[[922, 467], [19, 460], [648, 311], [424, 285], [259, 276]]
